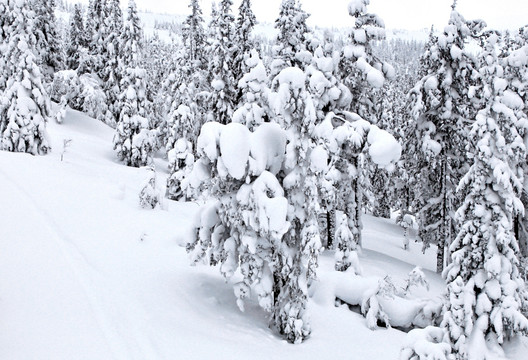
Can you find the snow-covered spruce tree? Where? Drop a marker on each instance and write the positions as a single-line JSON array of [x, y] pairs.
[[220, 69], [263, 217], [76, 46], [345, 138], [485, 294], [361, 71], [515, 63], [130, 47], [293, 110], [96, 33], [290, 49], [441, 108], [49, 55], [181, 160], [253, 109], [193, 35], [245, 23], [112, 71], [24, 108], [134, 141], [328, 95]]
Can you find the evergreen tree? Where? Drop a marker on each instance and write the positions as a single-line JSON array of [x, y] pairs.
[[134, 141], [24, 108], [77, 39], [245, 23], [486, 295], [132, 35], [48, 54], [254, 108], [112, 70], [193, 35], [361, 70], [290, 43], [222, 99], [441, 107]]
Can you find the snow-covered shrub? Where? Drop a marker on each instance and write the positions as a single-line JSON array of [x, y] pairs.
[[416, 278], [149, 195], [426, 344]]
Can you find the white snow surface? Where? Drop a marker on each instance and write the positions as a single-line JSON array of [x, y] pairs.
[[87, 274]]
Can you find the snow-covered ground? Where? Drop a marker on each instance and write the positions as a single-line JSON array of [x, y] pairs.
[[85, 273]]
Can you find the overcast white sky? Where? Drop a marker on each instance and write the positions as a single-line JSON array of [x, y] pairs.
[[397, 14]]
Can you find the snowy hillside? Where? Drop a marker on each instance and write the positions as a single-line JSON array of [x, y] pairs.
[[88, 274]]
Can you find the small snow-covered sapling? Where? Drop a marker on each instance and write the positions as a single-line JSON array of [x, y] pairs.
[[149, 196], [65, 144]]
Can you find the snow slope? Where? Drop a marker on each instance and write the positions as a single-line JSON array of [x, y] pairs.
[[85, 273]]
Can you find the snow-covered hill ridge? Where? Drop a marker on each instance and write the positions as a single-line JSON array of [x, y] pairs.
[[87, 274]]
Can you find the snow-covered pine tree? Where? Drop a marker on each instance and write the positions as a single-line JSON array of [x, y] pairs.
[[245, 23], [256, 177], [76, 45], [253, 86], [112, 71], [485, 294], [96, 33], [515, 63], [361, 71], [221, 57], [134, 141], [48, 54], [193, 35], [290, 49], [25, 107], [441, 108], [131, 38]]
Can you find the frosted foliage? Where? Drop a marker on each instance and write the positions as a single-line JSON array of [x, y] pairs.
[[24, 105]]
